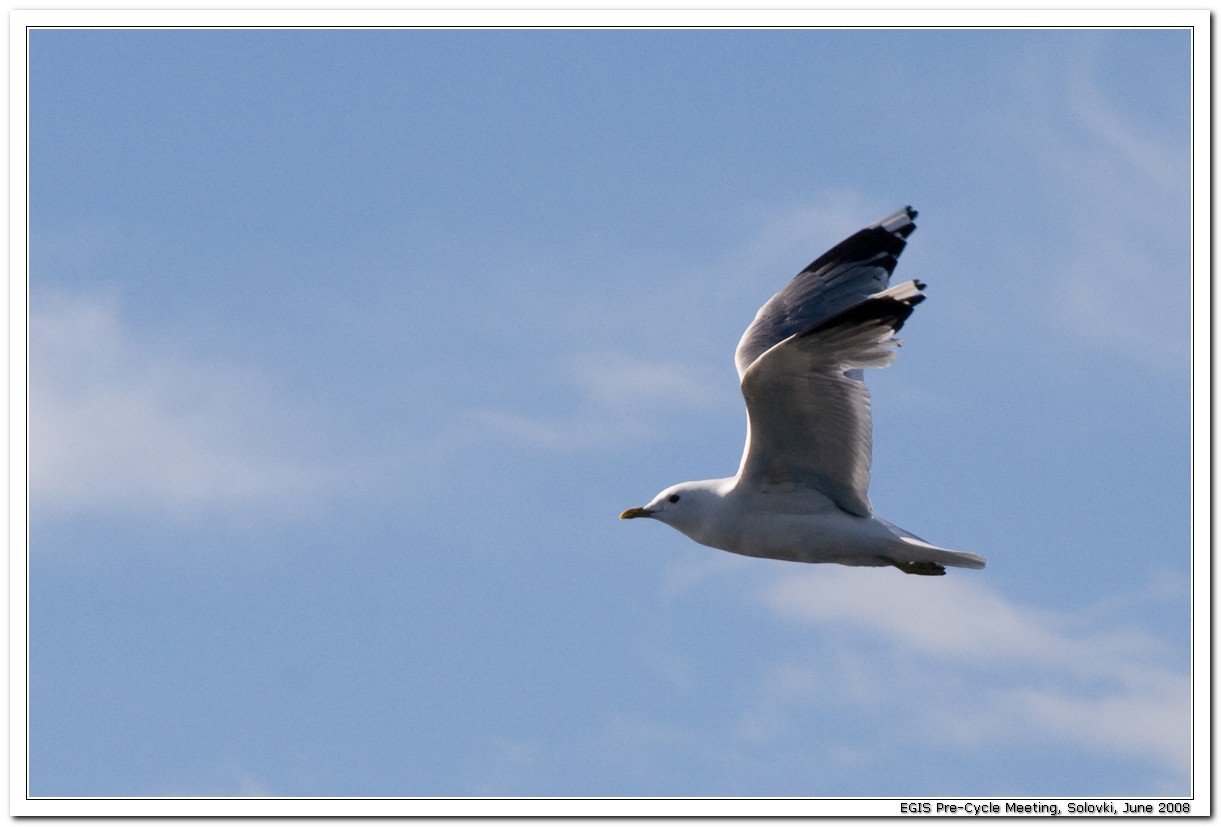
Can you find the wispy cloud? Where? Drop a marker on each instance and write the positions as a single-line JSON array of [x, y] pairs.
[[1117, 187], [781, 239], [230, 780], [685, 328], [867, 668], [118, 425], [613, 397], [512, 765], [1003, 670], [616, 381]]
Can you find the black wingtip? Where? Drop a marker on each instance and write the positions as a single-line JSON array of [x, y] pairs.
[[909, 226], [882, 242], [899, 224], [886, 309]]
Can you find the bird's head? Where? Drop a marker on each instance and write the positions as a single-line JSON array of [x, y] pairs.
[[686, 506]]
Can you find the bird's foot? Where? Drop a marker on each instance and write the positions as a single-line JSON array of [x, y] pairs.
[[918, 567]]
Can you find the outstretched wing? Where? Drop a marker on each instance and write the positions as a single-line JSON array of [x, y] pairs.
[[847, 274], [808, 416]]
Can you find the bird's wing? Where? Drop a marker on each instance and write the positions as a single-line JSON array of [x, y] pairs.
[[847, 274], [808, 418]]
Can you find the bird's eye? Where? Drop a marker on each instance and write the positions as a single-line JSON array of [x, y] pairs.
[[673, 498]]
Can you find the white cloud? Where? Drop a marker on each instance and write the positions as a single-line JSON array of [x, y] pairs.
[[785, 239], [686, 326], [616, 381], [512, 765], [614, 397], [658, 756], [228, 781], [1004, 671], [116, 425], [1117, 190], [867, 668]]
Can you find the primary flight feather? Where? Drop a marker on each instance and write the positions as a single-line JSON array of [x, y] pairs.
[[801, 490]]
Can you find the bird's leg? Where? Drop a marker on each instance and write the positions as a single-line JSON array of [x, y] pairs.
[[917, 567]]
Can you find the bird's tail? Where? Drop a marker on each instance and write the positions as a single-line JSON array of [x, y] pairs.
[[918, 550]]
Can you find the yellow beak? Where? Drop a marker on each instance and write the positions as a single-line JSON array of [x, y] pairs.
[[633, 513]]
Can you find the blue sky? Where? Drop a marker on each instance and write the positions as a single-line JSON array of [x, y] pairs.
[[348, 347]]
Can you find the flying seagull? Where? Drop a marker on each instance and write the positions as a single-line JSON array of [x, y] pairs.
[[800, 492]]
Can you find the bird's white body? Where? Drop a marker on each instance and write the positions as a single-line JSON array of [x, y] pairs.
[[792, 523], [800, 493]]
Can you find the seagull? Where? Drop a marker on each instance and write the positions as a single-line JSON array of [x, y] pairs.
[[800, 493]]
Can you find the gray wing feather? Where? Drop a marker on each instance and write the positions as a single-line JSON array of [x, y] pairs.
[[787, 444], [848, 273], [808, 411]]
